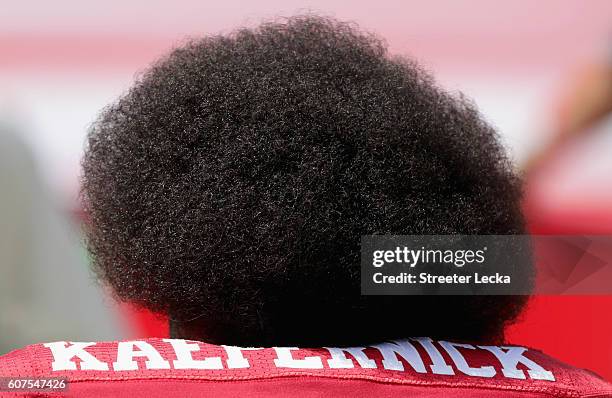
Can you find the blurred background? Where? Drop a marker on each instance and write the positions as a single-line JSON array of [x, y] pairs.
[[541, 72]]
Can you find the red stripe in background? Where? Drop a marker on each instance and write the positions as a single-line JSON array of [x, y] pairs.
[[574, 329], [73, 52], [45, 53]]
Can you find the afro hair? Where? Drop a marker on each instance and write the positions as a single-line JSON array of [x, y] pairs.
[[230, 186]]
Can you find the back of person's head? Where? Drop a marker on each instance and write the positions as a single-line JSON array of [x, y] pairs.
[[230, 187]]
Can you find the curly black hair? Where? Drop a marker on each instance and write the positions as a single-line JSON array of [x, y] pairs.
[[230, 186]]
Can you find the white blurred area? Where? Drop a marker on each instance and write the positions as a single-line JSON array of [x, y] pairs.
[[61, 62]]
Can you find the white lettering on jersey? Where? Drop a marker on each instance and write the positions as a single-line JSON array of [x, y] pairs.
[[512, 357], [340, 361], [462, 365], [72, 356], [235, 359], [126, 355], [439, 365], [284, 359], [403, 348], [64, 352], [184, 359]]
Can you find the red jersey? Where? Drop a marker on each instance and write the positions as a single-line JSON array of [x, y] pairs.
[[182, 368]]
